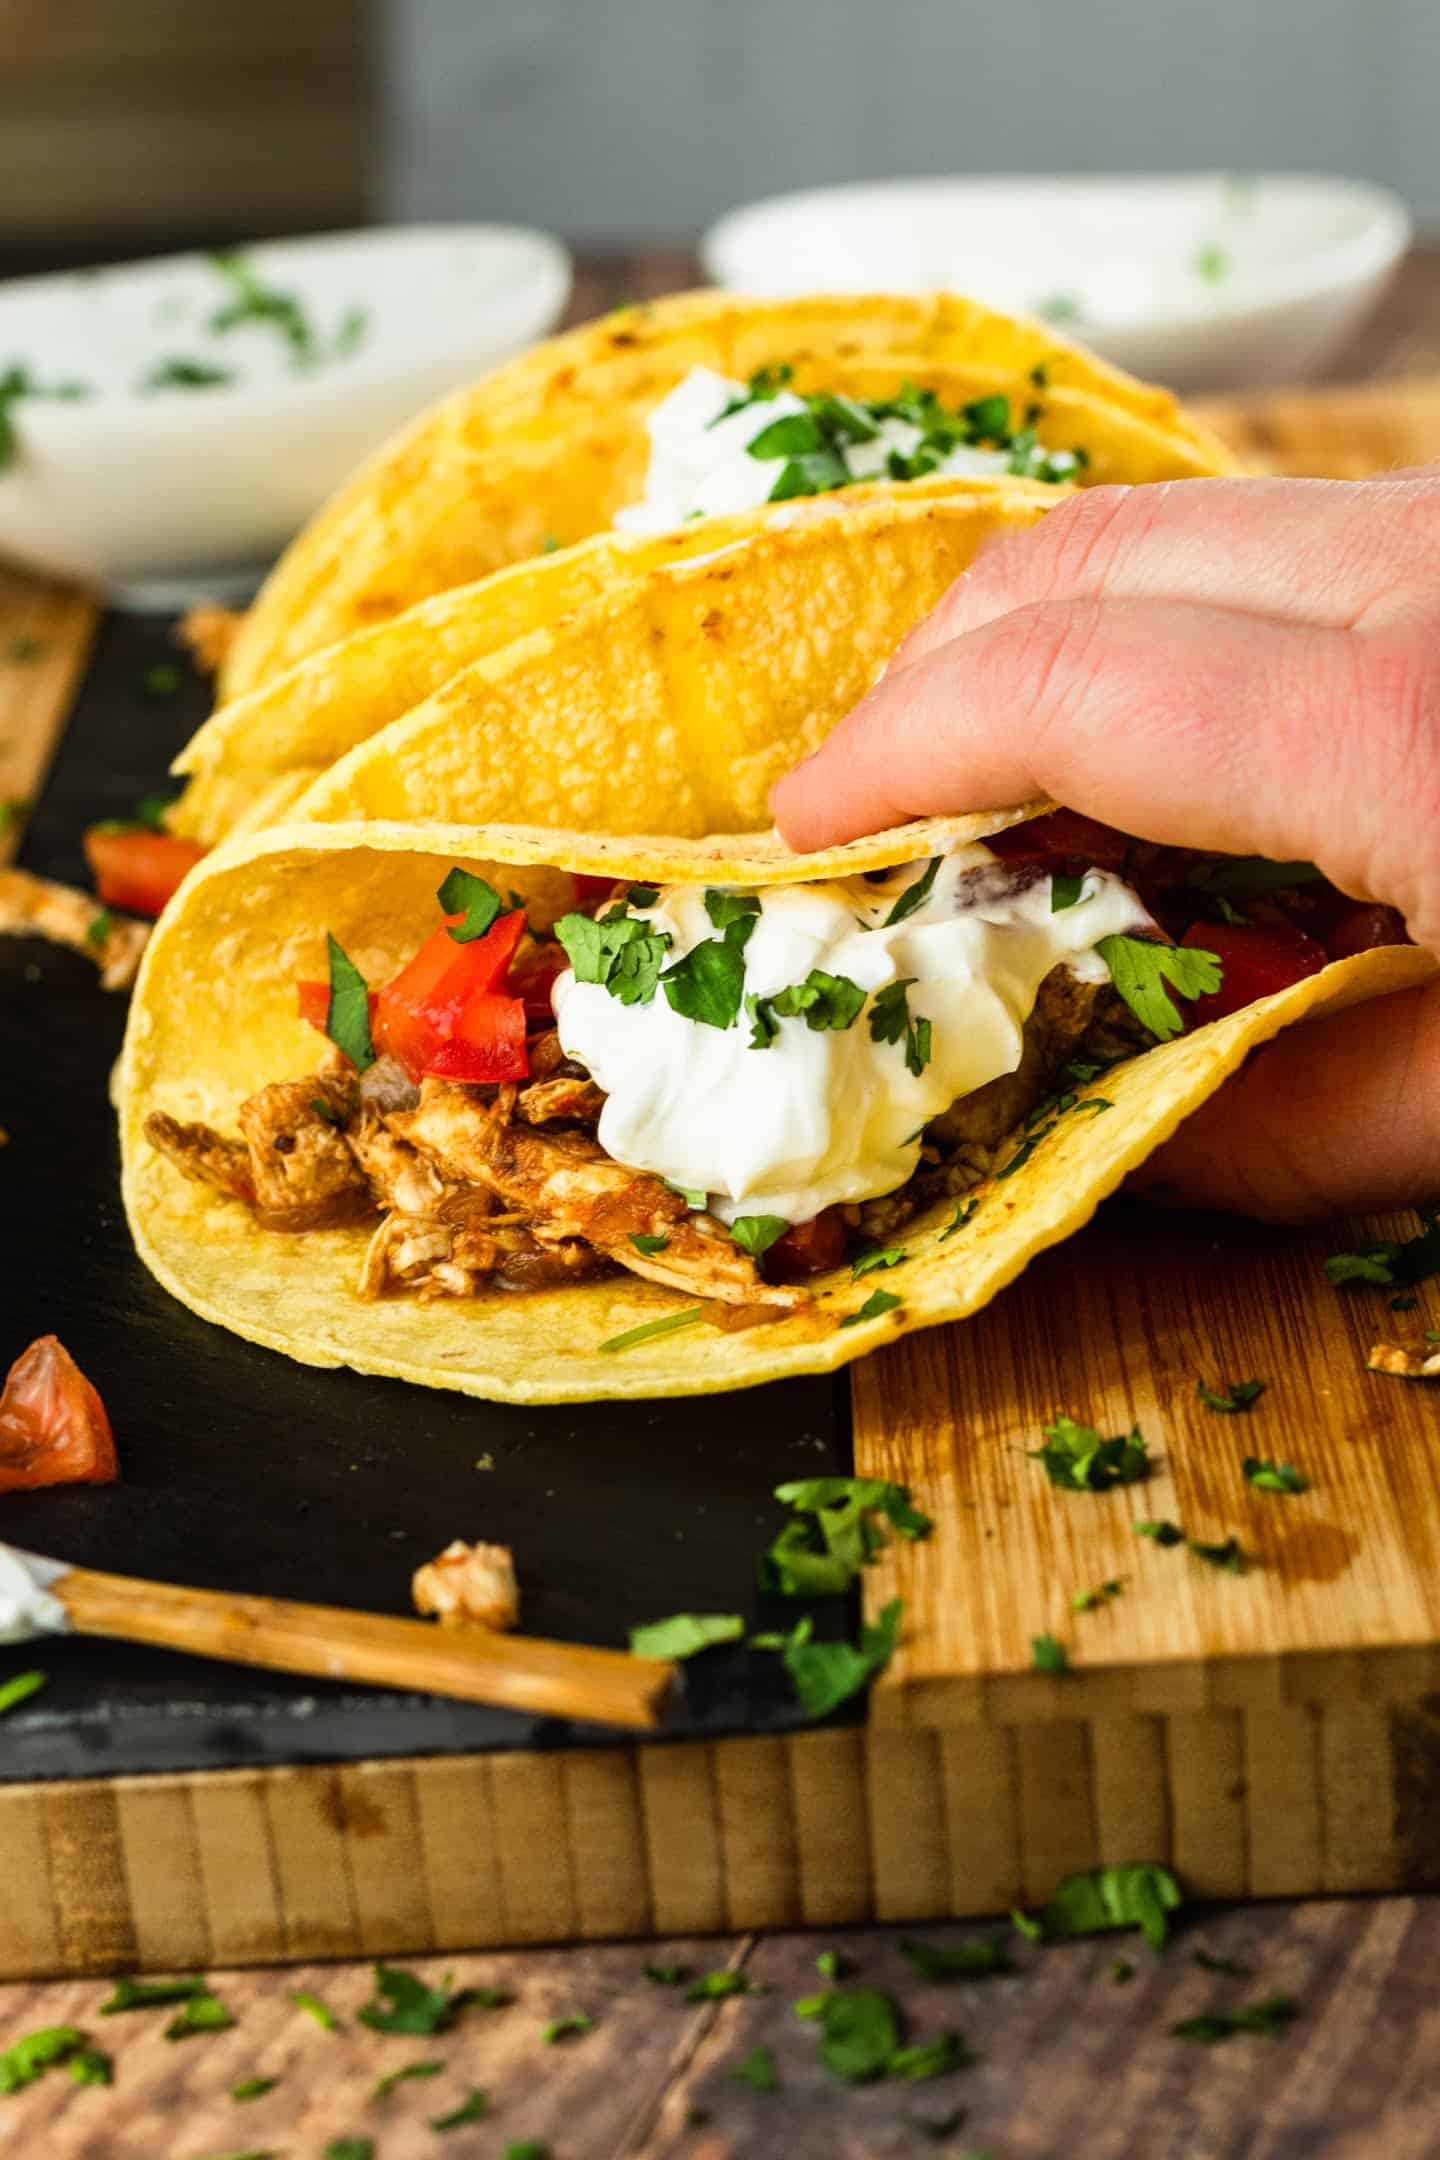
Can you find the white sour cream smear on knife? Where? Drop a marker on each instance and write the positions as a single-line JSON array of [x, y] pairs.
[[832, 1114], [26, 1606]]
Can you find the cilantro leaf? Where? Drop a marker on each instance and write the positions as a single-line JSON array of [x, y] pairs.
[[473, 2108], [793, 435], [1141, 967], [1048, 1655], [1139, 1894], [1272, 1476], [826, 1002], [1270, 2015], [930, 2058], [338, 2149], [462, 893], [648, 1243], [667, 1324], [764, 1027], [758, 2071], [690, 1194], [1227, 1556], [90, 2066], [755, 1234], [1230, 1399], [1162, 1532], [623, 952], [822, 1557], [526, 2149], [402, 2003], [832, 1965], [20, 1689], [796, 1566], [733, 912], [878, 1302], [879, 1256], [1065, 890], [716, 1986], [383, 2087], [1087, 1600], [1388, 1263], [347, 1017], [707, 984], [890, 1021], [253, 2088], [185, 374], [666, 1975], [1248, 877], [313, 2007], [914, 896], [682, 1635], [573, 2026], [204, 2013], [825, 1674], [1076, 1459], [128, 1994], [30, 2058], [963, 1212], [859, 2034], [814, 474], [976, 1959], [1231, 1967]]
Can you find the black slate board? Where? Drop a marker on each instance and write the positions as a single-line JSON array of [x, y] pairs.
[[243, 1471]]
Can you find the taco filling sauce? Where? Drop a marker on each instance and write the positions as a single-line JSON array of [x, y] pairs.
[[719, 446], [731, 1091]]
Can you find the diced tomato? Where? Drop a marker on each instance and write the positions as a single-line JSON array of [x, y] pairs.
[[1255, 959], [486, 1044], [417, 1011], [1360, 927], [590, 891], [53, 1427], [808, 1248], [313, 1001], [137, 868], [534, 976], [1062, 837]]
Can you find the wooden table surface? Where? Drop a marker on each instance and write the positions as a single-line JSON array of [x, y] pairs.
[[1071, 2062]]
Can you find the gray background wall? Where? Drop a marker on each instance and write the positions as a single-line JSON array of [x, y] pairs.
[[620, 119]]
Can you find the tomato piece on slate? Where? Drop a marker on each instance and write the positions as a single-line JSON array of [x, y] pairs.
[[53, 1427]]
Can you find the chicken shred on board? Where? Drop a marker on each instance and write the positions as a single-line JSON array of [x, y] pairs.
[[469, 1586]]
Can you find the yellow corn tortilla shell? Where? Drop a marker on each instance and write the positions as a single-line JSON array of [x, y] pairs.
[[257, 754], [676, 701], [214, 1018], [547, 448]]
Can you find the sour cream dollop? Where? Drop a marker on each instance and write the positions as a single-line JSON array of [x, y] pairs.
[[822, 1116], [26, 1607], [700, 465]]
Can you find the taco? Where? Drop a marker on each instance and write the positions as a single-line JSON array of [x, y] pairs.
[[616, 423], [481, 659], [606, 1117]]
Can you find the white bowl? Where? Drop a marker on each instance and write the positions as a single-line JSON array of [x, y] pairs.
[[131, 487], [1203, 280]]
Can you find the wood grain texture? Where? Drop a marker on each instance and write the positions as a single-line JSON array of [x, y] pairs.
[[1335, 434], [46, 632]]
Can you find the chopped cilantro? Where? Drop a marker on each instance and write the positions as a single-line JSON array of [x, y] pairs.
[[963, 1212], [384, 2086], [822, 1557], [402, 2003], [159, 681], [707, 984], [1272, 1476], [1227, 1556], [623, 952], [1087, 1600], [185, 374], [685, 1634], [930, 2058], [17, 382], [90, 2066], [729, 911], [204, 2013], [1250, 877], [1078, 1460], [526, 2149], [1393, 1265], [825, 1001], [879, 1256], [462, 893], [648, 1243], [473, 2108], [977, 1959], [1237, 1397], [716, 1986], [573, 2026], [666, 1975], [255, 302], [347, 1018], [1026, 1149], [1140, 1893], [1270, 2015], [337, 2149], [1212, 263], [643, 896], [825, 1674], [128, 1994], [690, 1194], [1403, 1304], [1065, 890], [312, 2006], [19, 1689], [649, 1329], [878, 1303], [1208, 1962], [758, 2071], [890, 1021], [832, 1965], [254, 2088], [1048, 1655], [325, 1111], [914, 896], [1141, 967], [764, 1027], [755, 1234], [859, 2033], [1120, 1970], [1162, 1532], [38, 2052]]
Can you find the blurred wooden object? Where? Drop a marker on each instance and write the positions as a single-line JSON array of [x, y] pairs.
[[1342, 434], [45, 637], [143, 121]]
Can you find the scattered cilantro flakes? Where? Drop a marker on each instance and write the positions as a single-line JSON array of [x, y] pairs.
[[755, 1234], [1140, 1893], [832, 1965], [666, 1975], [979, 1958], [1141, 967], [1227, 1555], [728, 911], [573, 2026], [624, 953], [384, 2086], [159, 681], [879, 1256], [1250, 877], [826, 1674], [347, 1017], [1212, 263], [1393, 1265], [878, 1303], [1270, 2015], [526, 2149], [90, 2066], [402, 2003], [914, 896], [1272, 1476], [1208, 1962], [16, 382], [313, 2007], [891, 1021], [253, 301], [1161, 1532], [325, 1111], [128, 1994], [648, 1243], [717, 1986], [859, 2033], [963, 1213], [474, 898], [1240, 1396], [1025, 1150], [648, 1329], [203, 2013], [930, 2058], [473, 2108], [1048, 1655], [758, 2071], [19, 1689], [690, 1194], [1077, 1459], [254, 2088], [185, 374], [343, 2149], [707, 984], [683, 1635], [29, 2059], [825, 1002], [1088, 1600], [1120, 1970], [1065, 890]]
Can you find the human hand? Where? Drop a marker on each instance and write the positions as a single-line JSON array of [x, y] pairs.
[[1249, 666]]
